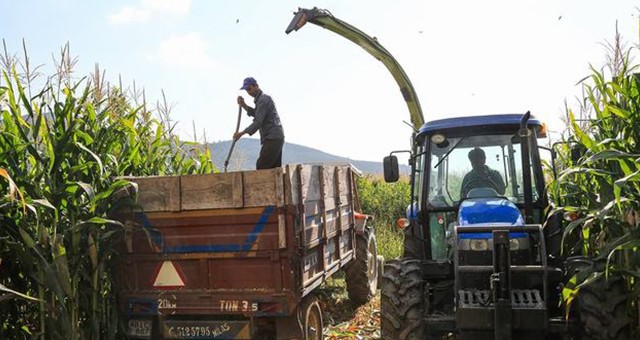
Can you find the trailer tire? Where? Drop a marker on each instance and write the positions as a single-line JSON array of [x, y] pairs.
[[402, 301], [311, 318], [362, 273], [380, 270], [602, 307]]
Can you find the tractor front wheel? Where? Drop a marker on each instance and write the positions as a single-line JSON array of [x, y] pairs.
[[402, 301], [602, 306]]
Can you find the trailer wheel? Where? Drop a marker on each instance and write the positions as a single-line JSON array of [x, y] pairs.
[[602, 307], [362, 273], [402, 301], [311, 318], [380, 264]]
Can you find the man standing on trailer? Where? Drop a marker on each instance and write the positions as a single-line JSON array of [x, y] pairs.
[[267, 121]]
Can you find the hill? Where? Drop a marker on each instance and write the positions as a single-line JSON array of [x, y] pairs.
[[246, 151]]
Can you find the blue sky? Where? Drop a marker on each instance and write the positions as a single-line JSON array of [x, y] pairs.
[[464, 57]]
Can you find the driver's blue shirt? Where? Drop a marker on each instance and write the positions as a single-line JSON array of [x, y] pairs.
[[478, 177]]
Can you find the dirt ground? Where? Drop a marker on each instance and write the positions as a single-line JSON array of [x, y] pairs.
[[344, 320]]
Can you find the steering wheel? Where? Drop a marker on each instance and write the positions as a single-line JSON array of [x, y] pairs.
[[478, 183]]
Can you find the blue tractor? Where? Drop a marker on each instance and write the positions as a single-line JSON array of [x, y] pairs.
[[482, 256], [482, 259], [477, 260]]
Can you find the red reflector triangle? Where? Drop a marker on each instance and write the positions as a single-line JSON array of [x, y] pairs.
[[169, 276]]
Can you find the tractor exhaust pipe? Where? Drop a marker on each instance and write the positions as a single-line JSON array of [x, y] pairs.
[[526, 167]]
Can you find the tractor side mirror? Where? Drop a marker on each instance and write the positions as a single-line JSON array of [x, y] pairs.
[[391, 170]]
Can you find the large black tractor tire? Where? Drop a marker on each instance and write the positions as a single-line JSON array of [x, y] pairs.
[[362, 272], [602, 307], [402, 301]]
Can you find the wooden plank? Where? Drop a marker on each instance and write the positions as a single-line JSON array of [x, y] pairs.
[[331, 221], [282, 231], [323, 214], [328, 176], [354, 196], [278, 179], [261, 187], [343, 180], [338, 182], [206, 213], [212, 191], [300, 227], [309, 184], [290, 189], [158, 193], [309, 196], [281, 185], [339, 188], [346, 244], [346, 215], [292, 178]]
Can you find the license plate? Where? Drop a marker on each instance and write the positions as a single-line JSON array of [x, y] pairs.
[[140, 329], [178, 329]]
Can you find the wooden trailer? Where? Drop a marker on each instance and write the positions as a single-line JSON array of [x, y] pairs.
[[238, 255]]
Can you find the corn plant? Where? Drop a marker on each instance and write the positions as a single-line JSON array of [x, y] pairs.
[[64, 148], [599, 186], [386, 202]]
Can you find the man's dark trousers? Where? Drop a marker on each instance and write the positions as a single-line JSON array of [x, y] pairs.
[[270, 154]]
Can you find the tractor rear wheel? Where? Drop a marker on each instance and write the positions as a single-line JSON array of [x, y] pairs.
[[362, 273], [602, 306], [402, 301]]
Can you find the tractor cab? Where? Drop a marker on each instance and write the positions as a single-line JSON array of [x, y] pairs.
[[473, 174], [469, 171]]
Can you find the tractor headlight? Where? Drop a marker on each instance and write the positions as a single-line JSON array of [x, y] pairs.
[[474, 244], [479, 244], [514, 244], [520, 243]]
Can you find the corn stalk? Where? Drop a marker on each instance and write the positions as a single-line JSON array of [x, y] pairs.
[[600, 183], [64, 149]]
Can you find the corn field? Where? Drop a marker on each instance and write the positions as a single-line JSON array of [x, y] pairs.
[[386, 202], [598, 187], [63, 148]]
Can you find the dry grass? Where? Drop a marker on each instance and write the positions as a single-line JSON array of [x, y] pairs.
[[344, 320]]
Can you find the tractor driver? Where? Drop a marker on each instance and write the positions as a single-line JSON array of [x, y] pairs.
[[481, 176]]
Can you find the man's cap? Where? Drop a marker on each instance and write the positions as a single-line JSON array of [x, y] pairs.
[[476, 153], [248, 81]]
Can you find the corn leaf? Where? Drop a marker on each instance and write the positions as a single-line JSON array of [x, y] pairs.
[[4, 288]]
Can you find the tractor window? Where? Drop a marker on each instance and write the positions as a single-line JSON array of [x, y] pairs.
[[476, 165]]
